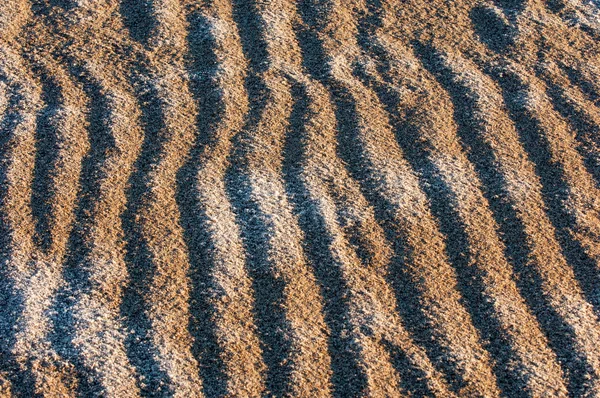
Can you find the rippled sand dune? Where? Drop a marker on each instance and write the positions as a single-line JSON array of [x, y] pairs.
[[304, 198]]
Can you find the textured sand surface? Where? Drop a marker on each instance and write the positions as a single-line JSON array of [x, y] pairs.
[[304, 198]]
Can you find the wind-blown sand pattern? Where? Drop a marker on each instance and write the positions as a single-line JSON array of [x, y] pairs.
[[307, 198]]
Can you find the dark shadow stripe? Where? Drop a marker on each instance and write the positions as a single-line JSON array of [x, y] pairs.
[[138, 258], [593, 33], [269, 311], [492, 30], [47, 7], [351, 152], [368, 25], [555, 6], [139, 19], [64, 4], [413, 381], [577, 79], [251, 33], [470, 283], [587, 133], [75, 272], [202, 66], [572, 20], [347, 377], [407, 293], [512, 231], [47, 145], [512, 7], [555, 189], [269, 299], [441, 201]]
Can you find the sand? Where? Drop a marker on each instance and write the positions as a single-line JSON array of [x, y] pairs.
[[303, 198]]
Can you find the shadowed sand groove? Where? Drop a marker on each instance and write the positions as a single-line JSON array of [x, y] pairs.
[[361, 138], [47, 148], [585, 323], [137, 256], [563, 297], [285, 287], [484, 272], [581, 14], [580, 81], [228, 348], [88, 318], [320, 159], [94, 274], [299, 198], [17, 140], [583, 118], [524, 338], [34, 276], [166, 290], [137, 16]]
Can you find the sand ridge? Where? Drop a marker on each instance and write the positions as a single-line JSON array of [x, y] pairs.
[[305, 198]]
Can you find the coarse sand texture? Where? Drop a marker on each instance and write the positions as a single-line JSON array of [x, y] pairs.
[[299, 198]]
